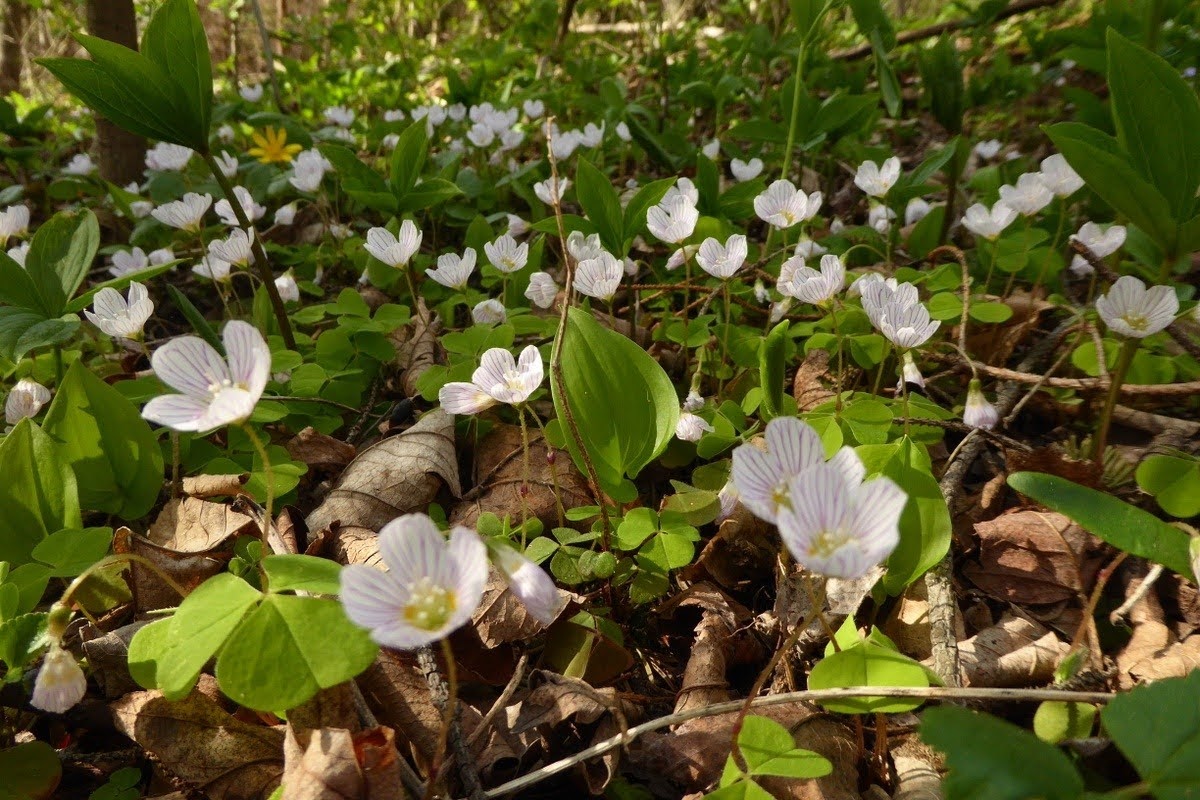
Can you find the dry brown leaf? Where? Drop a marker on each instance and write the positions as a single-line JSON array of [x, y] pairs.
[[220, 756], [204, 486], [917, 775], [908, 623], [740, 556], [108, 657], [807, 388], [1036, 557], [1153, 652], [501, 618], [1015, 652], [318, 450], [192, 525], [188, 569], [396, 691], [417, 347], [500, 466], [335, 764], [704, 682], [329, 708], [396, 476]]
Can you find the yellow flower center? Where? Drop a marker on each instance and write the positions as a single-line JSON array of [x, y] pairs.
[[1136, 321], [429, 606], [826, 543]]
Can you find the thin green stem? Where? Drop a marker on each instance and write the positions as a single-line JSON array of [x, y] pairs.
[[118, 558], [448, 716], [270, 476], [553, 459], [58, 364], [1124, 359], [794, 122]]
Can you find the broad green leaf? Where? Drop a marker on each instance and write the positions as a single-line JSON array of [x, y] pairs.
[[620, 398], [601, 204], [70, 552], [22, 331], [991, 312], [86, 298], [772, 362], [1122, 525], [1157, 115], [358, 180], [1173, 481], [175, 655], [990, 759], [770, 749], [20, 640], [889, 84], [312, 637], [807, 15], [18, 289], [409, 158], [38, 493], [427, 194], [1157, 727], [197, 320], [744, 789], [1056, 722], [302, 573], [867, 663], [175, 41], [60, 255], [872, 19], [29, 771], [925, 527], [117, 460]]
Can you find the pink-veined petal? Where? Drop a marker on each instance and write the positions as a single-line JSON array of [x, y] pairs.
[[372, 598], [249, 356], [493, 366], [413, 548], [190, 365], [179, 412], [794, 445], [464, 398]]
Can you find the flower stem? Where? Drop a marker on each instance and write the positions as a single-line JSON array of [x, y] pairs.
[[270, 474], [117, 558], [1124, 359], [449, 718]]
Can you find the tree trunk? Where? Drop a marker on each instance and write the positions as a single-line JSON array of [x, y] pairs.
[[120, 153], [12, 55]]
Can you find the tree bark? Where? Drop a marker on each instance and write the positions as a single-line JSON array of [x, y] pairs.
[[120, 154], [12, 50]]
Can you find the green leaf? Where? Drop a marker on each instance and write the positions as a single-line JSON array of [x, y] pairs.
[[772, 362], [620, 398], [601, 204], [20, 640], [1157, 727], [925, 526], [70, 552], [770, 749], [807, 15], [22, 331], [867, 663], [991, 312], [1174, 482], [116, 458], [1157, 115], [313, 637], [1056, 722], [18, 289], [1126, 527], [29, 771], [889, 84], [994, 760], [872, 19], [409, 158], [38, 493], [60, 254], [302, 573], [360, 181], [141, 276], [428, 194], [635, 213], [175, 41]]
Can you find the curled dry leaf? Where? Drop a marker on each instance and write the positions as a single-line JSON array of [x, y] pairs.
[[205, 486], [808, 388], [1153, 651], [741, 555], [500, 465], [917, 771], [396, 476], [993, 344], [1036, 557], [220, 756], [335, 764], [501, 618], [108, 657], [417, 347], [716, 645], [319, 451], [1015, 652]]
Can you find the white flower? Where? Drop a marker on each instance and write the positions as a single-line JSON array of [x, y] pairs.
[[681, 256], [511, 139], [25, 400], [778, 310], [683, 188], [1131, 309], [761, 474], [215, 391], [308, 170], [80, 165], [141, 208], [866, 279], [431, 588], [186, 214], [988, 149], [878, 294], [393, 250], [516, 226], [288, 290], [711, 150], [592, 135], [250, 208], [909, 373], [506, 255], [225, 134], [807, 248], [168, 157], [807, 284], [906, 324], [127, 262], [690, 427], [457, 112], [551, 192], [1059, 177], [251, 94], [722, 260], [672, 221], [565, 144], [880, 217], [285, 215], [989, 224], [19, 253], [161, 256], [228, 164], [878, 180], [530, 583], [339, 115], [782, 205], [599, 277], [339, 231], [836, 226], [489, 312], [14, 221], [693, 402], [481, 135], [498, 379], [119, 317], [236, 248], [213, 268], [916, 210], [454, 271], [390, 141], [60, 683], [760, 292], [728, 499], [1101, 242], [533, 108], [541, 290], [1029, 196], [623, 132], [837, 526], [745, 170], [978, 412], [583, 247]]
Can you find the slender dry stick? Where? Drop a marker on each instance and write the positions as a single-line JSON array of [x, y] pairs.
[[502, 701]]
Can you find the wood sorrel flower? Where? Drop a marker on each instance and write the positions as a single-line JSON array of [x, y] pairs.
[[722, 260], [393, 250], [978, 412], [1059, 177], [60, 683], [506, 255], [541, 290], [25, 400], [761, 473], [672, 220], [1132, 310], [498, 379], [782, 205], [431, 588], [489, 312], [1029, 196], [1101, 242], [530, 583], [599, 277], [213, 391], [186, 214], [989, 224], [454, 271], [119, 317], [877, 180], [250, 207], [743, 171], [806, 284]]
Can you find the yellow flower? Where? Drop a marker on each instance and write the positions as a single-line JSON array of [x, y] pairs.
[[273, 147]]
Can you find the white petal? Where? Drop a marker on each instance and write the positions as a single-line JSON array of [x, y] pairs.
[[190, 365]]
